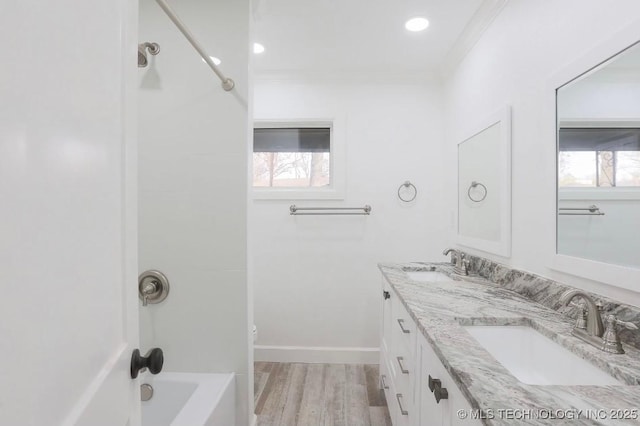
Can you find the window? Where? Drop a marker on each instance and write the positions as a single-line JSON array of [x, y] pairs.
[[292, 157], [599, 157]]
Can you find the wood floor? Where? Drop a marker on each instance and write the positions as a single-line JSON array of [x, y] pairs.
[[318, 394]]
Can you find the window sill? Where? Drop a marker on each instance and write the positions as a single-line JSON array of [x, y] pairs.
[[296, 194], [579, 194]]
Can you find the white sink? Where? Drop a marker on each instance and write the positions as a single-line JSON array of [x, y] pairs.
[[433, 276], [535, 359]]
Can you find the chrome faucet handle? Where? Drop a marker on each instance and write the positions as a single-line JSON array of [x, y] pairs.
[[150, 288], [610, 338], [625, 324], [581, 321], [466, 264]]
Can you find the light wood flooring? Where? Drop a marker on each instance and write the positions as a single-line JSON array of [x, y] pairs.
[[318, 394]]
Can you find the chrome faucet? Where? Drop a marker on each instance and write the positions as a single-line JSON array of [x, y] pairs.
[[461, 265], [589, 325], [593, 321]]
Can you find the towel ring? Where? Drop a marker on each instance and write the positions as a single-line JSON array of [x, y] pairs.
[[407, 184], [473, 185]]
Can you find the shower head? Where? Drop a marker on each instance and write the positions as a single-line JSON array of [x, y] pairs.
[[153, 48]]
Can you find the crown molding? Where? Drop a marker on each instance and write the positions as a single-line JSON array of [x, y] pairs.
[[477, 25]]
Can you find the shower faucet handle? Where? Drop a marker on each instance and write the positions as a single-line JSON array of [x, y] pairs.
[[153, 287]]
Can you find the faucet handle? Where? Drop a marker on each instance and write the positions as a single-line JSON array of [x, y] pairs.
[[581, 320], [626, 324], [610, 338]]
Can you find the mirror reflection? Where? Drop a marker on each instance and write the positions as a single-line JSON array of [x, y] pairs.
[[599, 162]]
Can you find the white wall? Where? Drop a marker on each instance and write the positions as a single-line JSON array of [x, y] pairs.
[[513, 63], [68, 263], [316, 280], [193, 156]]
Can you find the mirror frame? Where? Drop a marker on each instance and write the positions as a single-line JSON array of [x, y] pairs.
[[615, 275], [503, 246]]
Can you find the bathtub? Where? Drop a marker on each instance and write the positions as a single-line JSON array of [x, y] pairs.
[[189, 399]]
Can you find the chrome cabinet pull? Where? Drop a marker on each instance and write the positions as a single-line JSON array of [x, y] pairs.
[[401, 323], [402, 410], [384, 384], [400, 359]]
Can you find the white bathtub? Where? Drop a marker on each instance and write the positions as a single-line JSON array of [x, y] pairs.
[[189, 399]]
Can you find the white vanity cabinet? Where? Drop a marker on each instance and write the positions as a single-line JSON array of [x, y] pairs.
[[397, 358], [406, 362]]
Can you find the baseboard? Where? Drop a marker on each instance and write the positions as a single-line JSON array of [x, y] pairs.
[[321, 355], [254, 421]]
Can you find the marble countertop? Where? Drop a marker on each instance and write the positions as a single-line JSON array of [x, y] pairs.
[[441, 309]]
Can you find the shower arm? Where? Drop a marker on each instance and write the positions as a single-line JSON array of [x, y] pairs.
[[227, 83]]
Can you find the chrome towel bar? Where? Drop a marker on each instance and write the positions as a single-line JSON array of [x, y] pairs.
[[592, 210], [329, 211]]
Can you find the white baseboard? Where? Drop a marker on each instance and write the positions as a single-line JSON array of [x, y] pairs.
[[320, 355], [254, 421]]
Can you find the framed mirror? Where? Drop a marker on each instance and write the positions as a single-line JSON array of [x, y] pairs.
[[598, 169], [484, 185]]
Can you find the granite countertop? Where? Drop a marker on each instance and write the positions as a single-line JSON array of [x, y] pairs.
[[441, 309]]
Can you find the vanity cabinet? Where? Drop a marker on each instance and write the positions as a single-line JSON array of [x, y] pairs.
[[411, 374]]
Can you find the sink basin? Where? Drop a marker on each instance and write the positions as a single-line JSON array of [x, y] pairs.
[[433, 276], [535, 359]]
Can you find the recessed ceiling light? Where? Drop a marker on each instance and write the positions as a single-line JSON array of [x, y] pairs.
[[214, 59], [258, 48], [417, 24]]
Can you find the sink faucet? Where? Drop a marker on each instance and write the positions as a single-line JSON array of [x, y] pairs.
[[460, 263], [594, 325], [589, 326]]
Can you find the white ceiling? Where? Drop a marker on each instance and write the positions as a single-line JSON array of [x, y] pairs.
[[311, 36]]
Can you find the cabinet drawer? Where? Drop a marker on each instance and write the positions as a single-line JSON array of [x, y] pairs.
[[403, 328], [385, 379]]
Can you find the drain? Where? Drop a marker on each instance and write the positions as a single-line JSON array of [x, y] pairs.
[[146, 392]]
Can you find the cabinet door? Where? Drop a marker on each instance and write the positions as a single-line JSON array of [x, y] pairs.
[[385, 326], [431, 413], [446, 411]]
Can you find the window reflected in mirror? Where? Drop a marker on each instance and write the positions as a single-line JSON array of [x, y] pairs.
[[598, 157]]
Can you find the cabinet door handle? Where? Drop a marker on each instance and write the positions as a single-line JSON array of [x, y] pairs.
[[402, 410], [384, 384], [386, 295], [440, 393], [433, 383], [435, 386], [400, 359], [401, 323]]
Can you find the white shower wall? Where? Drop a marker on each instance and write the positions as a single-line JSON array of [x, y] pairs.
[[192, 191], [317, 287]]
